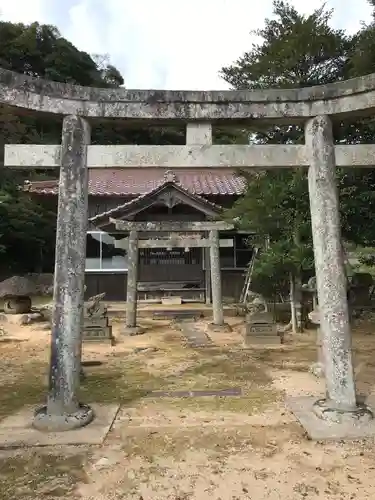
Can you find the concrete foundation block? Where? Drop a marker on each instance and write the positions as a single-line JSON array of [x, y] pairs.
[[318, 429], [17, 431], [251, 340]]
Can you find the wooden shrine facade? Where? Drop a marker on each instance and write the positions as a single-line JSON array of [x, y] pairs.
[[173, 240], [173, 256]]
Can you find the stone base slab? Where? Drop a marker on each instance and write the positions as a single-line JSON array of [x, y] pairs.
[[17, 431], [43, 421], [133, 330], [325, 430], [225, 328]]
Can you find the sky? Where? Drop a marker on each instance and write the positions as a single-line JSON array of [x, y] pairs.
[[168, 44]]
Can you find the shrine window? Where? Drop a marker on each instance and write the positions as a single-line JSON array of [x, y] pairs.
[[239, 255], [102, 254], [243, 251], [227, 258]]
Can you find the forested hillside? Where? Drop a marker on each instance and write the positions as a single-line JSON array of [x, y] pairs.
[[27, 230]]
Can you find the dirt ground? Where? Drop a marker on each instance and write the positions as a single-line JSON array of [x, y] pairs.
[[217, 448]]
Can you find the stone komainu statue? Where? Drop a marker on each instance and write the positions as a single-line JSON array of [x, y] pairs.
[[311, 284], [94, 306], [256, 304]]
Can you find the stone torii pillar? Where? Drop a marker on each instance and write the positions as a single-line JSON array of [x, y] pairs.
[[131, 327], [63, 411], [207, 273], [200, 133], [340, 401], [217, 299]]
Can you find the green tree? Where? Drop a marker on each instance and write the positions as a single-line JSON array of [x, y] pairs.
[[27, 230], [357, 186], [39, 51], [109, 74], [294, 51]]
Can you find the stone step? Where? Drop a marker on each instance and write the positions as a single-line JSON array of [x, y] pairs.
[[261, 333], [156, 312], [195, 337], [176, 314], [98, 334], [262, 340]]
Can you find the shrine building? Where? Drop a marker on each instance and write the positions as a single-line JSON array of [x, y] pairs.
[[156, 194]]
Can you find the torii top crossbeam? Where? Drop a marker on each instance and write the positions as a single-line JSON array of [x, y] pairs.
[[355, 97]]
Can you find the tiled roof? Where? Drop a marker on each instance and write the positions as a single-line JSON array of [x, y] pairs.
[[138, 181], [169, 180]]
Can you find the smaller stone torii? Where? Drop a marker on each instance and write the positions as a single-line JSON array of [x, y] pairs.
[[133, 243], [313, 108]]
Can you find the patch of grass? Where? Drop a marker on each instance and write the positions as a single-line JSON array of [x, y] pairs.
[[301, 355], [157, 445], [254, 401], [129, 383], [29, 391], [115, 385], [225, 370], [40, 475], [216, 442], [14, 396]]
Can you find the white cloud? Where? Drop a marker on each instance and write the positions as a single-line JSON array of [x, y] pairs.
[[23, 11], [168, 43]]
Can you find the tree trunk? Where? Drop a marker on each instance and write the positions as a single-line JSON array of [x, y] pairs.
[[293, 305], [298, 302], [297, 286]]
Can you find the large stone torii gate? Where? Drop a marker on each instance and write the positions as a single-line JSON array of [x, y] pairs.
[[315, 108]]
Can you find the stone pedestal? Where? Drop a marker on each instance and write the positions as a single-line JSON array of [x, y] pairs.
[[98, 330], [63, 411], [96, 321], [260, 329], [317, 368]]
